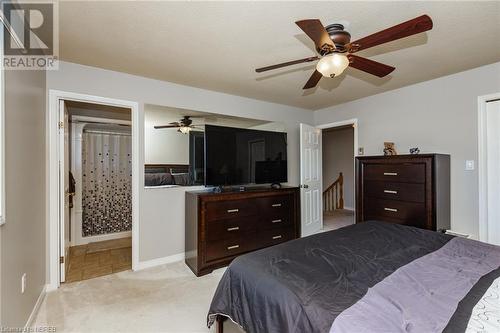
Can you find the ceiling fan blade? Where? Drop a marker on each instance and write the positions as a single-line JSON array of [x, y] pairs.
[[313, 80], [284, 64], [317, 32], [165, 126], [369, 66], [405, 29]]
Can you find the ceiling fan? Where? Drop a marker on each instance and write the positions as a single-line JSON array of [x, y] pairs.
[[336, 50], [184, 125]]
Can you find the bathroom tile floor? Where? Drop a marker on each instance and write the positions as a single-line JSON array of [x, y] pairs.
[[98, 259]]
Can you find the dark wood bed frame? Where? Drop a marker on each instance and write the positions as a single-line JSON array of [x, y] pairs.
[[219, 323]]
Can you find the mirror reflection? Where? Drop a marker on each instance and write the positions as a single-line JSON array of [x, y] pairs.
[[174, 143]]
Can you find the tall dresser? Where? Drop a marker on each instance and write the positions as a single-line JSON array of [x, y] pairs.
[[222, 226], [405, 189]]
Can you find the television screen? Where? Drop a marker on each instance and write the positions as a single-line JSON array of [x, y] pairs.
[[235, 156]]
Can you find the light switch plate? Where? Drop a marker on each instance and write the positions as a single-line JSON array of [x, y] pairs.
[[469, 165], [361, 150]]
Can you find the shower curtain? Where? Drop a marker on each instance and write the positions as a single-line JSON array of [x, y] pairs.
[[107, 183]]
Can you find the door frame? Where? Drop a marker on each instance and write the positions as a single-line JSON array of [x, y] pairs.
[[482, 165], [52, 175], [354, 123]]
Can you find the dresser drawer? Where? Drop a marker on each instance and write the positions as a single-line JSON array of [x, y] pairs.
[[395, 172], [229, 228], [394, 191], [230, 209], [386, 210], [275, 206], [275, 236], [230, 247], [278, 220]]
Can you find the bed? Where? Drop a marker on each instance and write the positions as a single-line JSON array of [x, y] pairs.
[[368, 277], [166, 175]]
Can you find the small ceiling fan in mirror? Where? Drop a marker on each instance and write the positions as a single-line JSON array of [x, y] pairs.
[[184, 125]]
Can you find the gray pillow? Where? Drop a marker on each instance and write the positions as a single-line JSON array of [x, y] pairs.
[[157, 179]]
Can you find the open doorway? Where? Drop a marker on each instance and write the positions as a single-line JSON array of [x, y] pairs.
[[338, 147], [96, 192]]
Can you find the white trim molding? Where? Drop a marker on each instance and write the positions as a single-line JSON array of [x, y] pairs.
[[53, 174], [482, 164], [34, 312], [160, 261]]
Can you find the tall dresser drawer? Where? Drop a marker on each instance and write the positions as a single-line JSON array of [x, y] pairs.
[[228, 228], [381, 209], [395, 191], [395, 172], [230, 247], [230, 209]]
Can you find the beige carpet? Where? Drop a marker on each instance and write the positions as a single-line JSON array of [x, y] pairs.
[[168, 298], [337, 219]]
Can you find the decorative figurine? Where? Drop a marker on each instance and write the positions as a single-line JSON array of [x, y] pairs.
[[414, 151], [389, 149]]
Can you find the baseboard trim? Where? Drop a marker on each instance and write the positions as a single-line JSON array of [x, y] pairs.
[[35, 308], [159, 261], [348, 208]]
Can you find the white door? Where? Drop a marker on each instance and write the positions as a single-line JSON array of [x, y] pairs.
[[64, 194], [310, 180], [493, 167]]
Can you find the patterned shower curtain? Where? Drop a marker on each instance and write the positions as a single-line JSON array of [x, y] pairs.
[[107, 183]]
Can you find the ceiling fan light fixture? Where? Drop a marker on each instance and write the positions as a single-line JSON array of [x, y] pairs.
[[184, 129], [332, 65]]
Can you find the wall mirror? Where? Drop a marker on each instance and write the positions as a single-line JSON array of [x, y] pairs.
[[174, 143]]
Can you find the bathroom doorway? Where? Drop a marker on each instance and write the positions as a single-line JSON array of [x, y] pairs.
[[97, 178]]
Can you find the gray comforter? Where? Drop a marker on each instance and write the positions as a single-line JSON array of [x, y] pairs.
[[370, 277]]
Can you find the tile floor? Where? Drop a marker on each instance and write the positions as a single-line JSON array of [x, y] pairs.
[[98, 259]]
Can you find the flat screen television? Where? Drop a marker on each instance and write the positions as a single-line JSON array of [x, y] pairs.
[[237, 156]]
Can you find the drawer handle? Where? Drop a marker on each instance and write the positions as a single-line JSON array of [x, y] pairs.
[[276, 221], [390, 173], [390, 191], [390, 209], [233, 247], [276, 205], [277, 237], [233, 210], [233, 228]]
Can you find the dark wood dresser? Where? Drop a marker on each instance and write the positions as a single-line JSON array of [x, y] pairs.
[[405, 189], [221, 226]]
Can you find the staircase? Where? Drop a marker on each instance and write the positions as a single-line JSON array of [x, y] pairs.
[[333, 196]]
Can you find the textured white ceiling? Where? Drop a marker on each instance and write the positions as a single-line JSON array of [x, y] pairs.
[[217, 45]]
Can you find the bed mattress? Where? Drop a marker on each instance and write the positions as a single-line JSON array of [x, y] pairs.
[[369, 277]]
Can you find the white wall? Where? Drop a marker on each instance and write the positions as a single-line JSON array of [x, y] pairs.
[[163, 146], [437, 116], [338, 156], [22, 238], [161, 225]]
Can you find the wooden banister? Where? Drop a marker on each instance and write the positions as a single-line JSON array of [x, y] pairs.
[[333, 196]]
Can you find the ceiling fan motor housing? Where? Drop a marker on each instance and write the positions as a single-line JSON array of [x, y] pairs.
[[339, 36], [186, 121]]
